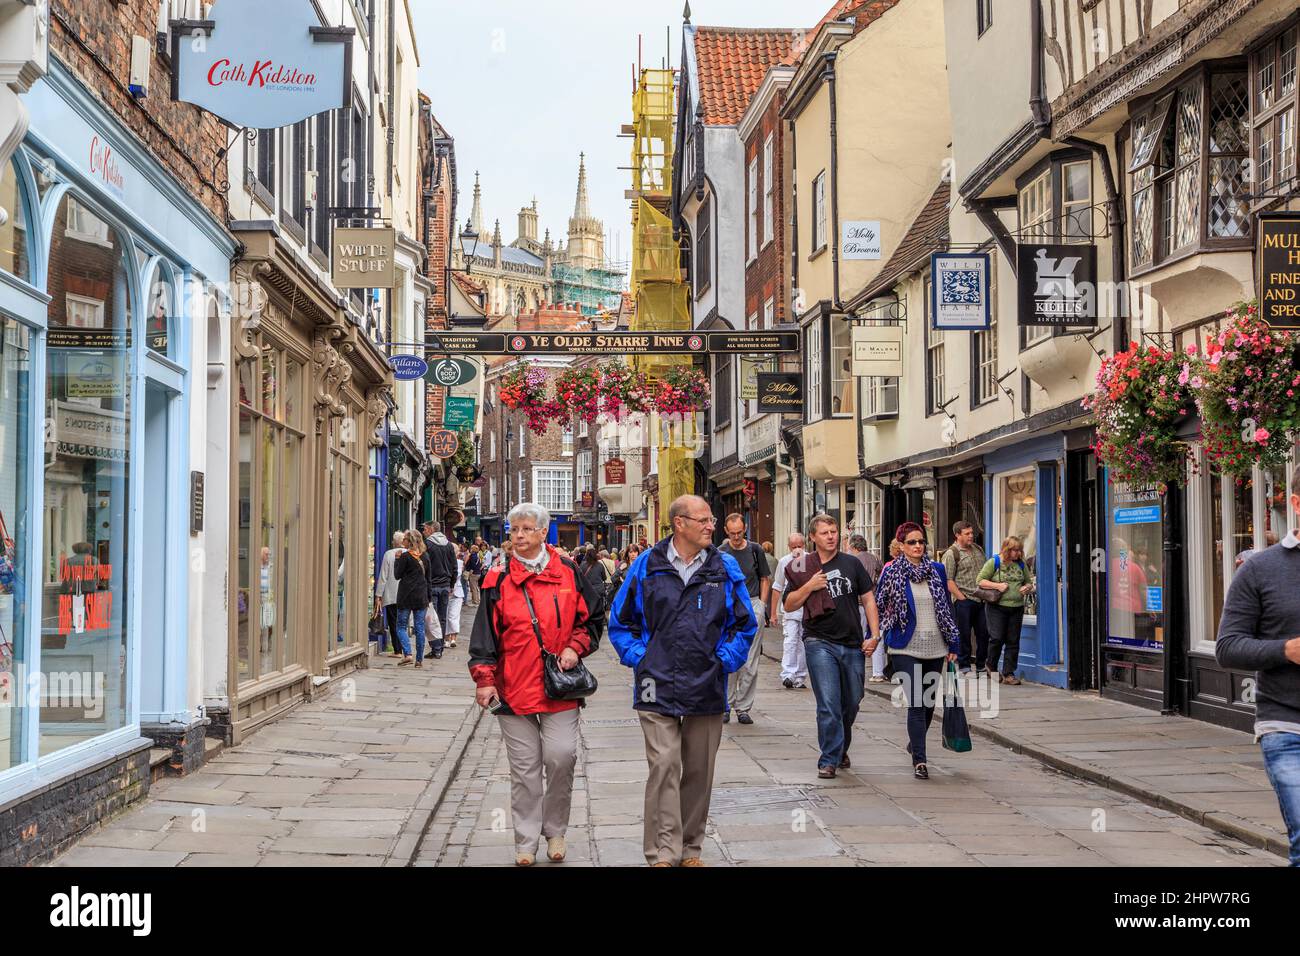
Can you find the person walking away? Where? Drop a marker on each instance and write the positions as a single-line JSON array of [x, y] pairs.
[[455, 601], [873, 565], [474, 573], [962, 563], [771, 562], [386, 590], [683, 621], [412, 574], [610, 564], [794, 665], [831, 588], [536, 597], [918, 628], [1258, 631], [758, 581], [1006, 573], [442, 565]]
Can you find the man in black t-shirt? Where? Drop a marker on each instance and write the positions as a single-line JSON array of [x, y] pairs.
[[758, 580], [834, 642]]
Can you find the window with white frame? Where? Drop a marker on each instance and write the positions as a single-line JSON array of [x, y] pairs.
[[703, 250], [984, 347], [553, 488], [722, 392], [1276, 101], [813, 368], [566, 440], [752, 218], [1035, 205], [84, 226], [492, 445], [582, 428], [584, 471], [748, 368], [870, 507], [880, 395], [819, 212], [769, 190], [523, 490], [935, 392], [83, 312], [523, 444], [843, 385], [492, 496], [769, 313]]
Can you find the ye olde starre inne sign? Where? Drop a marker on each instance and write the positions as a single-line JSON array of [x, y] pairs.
[[261, 65]]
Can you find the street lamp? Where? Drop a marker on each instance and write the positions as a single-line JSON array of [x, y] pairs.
[[469, 244]]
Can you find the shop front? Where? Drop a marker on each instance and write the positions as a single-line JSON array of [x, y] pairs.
[[106, 266], [306, 436]]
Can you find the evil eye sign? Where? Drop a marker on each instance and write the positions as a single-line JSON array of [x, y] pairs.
[[261, 65]]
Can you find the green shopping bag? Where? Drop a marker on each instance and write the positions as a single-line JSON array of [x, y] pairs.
[[956, 731]]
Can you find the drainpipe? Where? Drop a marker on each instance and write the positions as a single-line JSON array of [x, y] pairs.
[[794, 213], [1115, 220], [829, 77]]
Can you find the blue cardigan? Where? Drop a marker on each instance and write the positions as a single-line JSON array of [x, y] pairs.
[[899, 638]]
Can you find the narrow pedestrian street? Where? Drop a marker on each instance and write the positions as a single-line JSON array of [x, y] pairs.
[[407, 772]]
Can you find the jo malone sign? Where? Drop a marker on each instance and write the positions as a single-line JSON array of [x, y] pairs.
[[878, 351]]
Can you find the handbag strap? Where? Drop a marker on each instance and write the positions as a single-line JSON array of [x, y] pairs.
[[537, 630]]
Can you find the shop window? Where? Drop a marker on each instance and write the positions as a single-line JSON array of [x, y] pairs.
[[1276, 103], [14, 257], [1017, 512], [1187, 143], [842, 382], [16, 564], [1135, 578], [86, 552], [162, 309]]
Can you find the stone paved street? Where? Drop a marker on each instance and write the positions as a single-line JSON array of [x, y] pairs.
[[406, 772], [990, 807]]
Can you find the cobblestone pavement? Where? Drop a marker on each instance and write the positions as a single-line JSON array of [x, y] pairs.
[[990, 807]]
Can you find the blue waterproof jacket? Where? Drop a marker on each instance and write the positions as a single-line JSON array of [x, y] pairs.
[[682, 640]]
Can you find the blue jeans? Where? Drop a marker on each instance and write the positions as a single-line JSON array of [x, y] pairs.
[[404, 615], [921, 692], [838, 675], [1282, 761], [439, 598]]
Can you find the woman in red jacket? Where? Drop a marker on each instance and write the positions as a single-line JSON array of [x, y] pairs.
[[506, 664]]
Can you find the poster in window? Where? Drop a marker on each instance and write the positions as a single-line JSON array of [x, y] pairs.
[[959, 294], [1057, 284], [1134, 579]]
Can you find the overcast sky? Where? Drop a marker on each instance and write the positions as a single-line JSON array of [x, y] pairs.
[[526, 85]]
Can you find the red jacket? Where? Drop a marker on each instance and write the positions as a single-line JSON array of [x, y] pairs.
[[503, 651]]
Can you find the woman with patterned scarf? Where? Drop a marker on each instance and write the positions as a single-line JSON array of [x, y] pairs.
[[919, 631]]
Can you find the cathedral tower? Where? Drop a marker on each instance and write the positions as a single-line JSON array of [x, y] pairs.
[[586, 248]]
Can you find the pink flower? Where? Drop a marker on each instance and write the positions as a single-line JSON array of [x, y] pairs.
[[1191, 349], [1261, 435], [1186, 373]]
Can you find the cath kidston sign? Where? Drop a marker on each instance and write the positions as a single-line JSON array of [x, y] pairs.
[[261, 65]]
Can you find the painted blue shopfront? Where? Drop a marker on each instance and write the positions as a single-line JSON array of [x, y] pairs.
[[1023, 495], [109, 264]]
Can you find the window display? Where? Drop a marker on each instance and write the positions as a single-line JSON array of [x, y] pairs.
[[1018, 519], [1135, 527], [84, 608], [15, 401]]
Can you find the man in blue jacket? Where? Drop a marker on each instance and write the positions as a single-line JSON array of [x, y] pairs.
[[683, 621]]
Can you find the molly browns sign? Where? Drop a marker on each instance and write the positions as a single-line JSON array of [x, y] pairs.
[[261, 65]]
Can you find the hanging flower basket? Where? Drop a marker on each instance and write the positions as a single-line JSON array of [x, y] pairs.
[[623, 391], [464, 457], [524, 389], [577, 391], [1249, 394], [1140, 399], [684, 390]]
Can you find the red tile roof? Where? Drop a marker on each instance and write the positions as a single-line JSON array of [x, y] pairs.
[[732, 63]]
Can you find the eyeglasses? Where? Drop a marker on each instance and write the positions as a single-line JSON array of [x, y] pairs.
[[914, 541], [528, 530], [704, 521]]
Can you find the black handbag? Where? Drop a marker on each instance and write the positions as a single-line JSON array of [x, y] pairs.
[[956, 731], [559, 684]]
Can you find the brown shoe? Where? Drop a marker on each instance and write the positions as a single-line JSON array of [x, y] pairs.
[[692, 861], [826, 773], [661, 863], [845, 764], [1013, 679]]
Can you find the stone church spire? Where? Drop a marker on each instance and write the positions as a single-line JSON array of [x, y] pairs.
[[476, 216], [586, 249], [581, 210]]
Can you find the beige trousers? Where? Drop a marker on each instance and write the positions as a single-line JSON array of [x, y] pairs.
[[681, 752], [537, 744]]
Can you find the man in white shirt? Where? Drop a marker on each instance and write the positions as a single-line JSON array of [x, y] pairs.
[[794, 667], [386, 590]]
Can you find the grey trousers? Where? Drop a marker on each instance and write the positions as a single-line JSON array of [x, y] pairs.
[[743, 684], [681, 752], [537, 743]]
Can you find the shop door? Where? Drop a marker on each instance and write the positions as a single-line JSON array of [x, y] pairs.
[[165, 563], [1085, 580]]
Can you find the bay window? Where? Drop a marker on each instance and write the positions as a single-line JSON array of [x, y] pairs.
[[812, 341], [1276, 103], [842, 384], [1187, 168]]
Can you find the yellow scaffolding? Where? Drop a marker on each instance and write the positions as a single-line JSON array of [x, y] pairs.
[[657, 284]]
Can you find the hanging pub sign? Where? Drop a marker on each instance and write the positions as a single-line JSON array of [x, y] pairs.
[[749, 369], [261, 65], [878, 351], [616, 472], [860, 240], [588, 500], [780, 392], [363, 258], [451, 372], [407, 368], [1057, 284], [1278, 255], [959, 293]]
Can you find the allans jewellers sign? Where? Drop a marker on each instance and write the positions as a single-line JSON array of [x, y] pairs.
[[261, 64]]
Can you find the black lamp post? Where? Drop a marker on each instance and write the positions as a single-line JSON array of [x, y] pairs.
[[469, 245]]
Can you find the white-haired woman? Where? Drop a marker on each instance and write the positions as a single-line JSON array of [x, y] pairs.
[[538, 597]]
